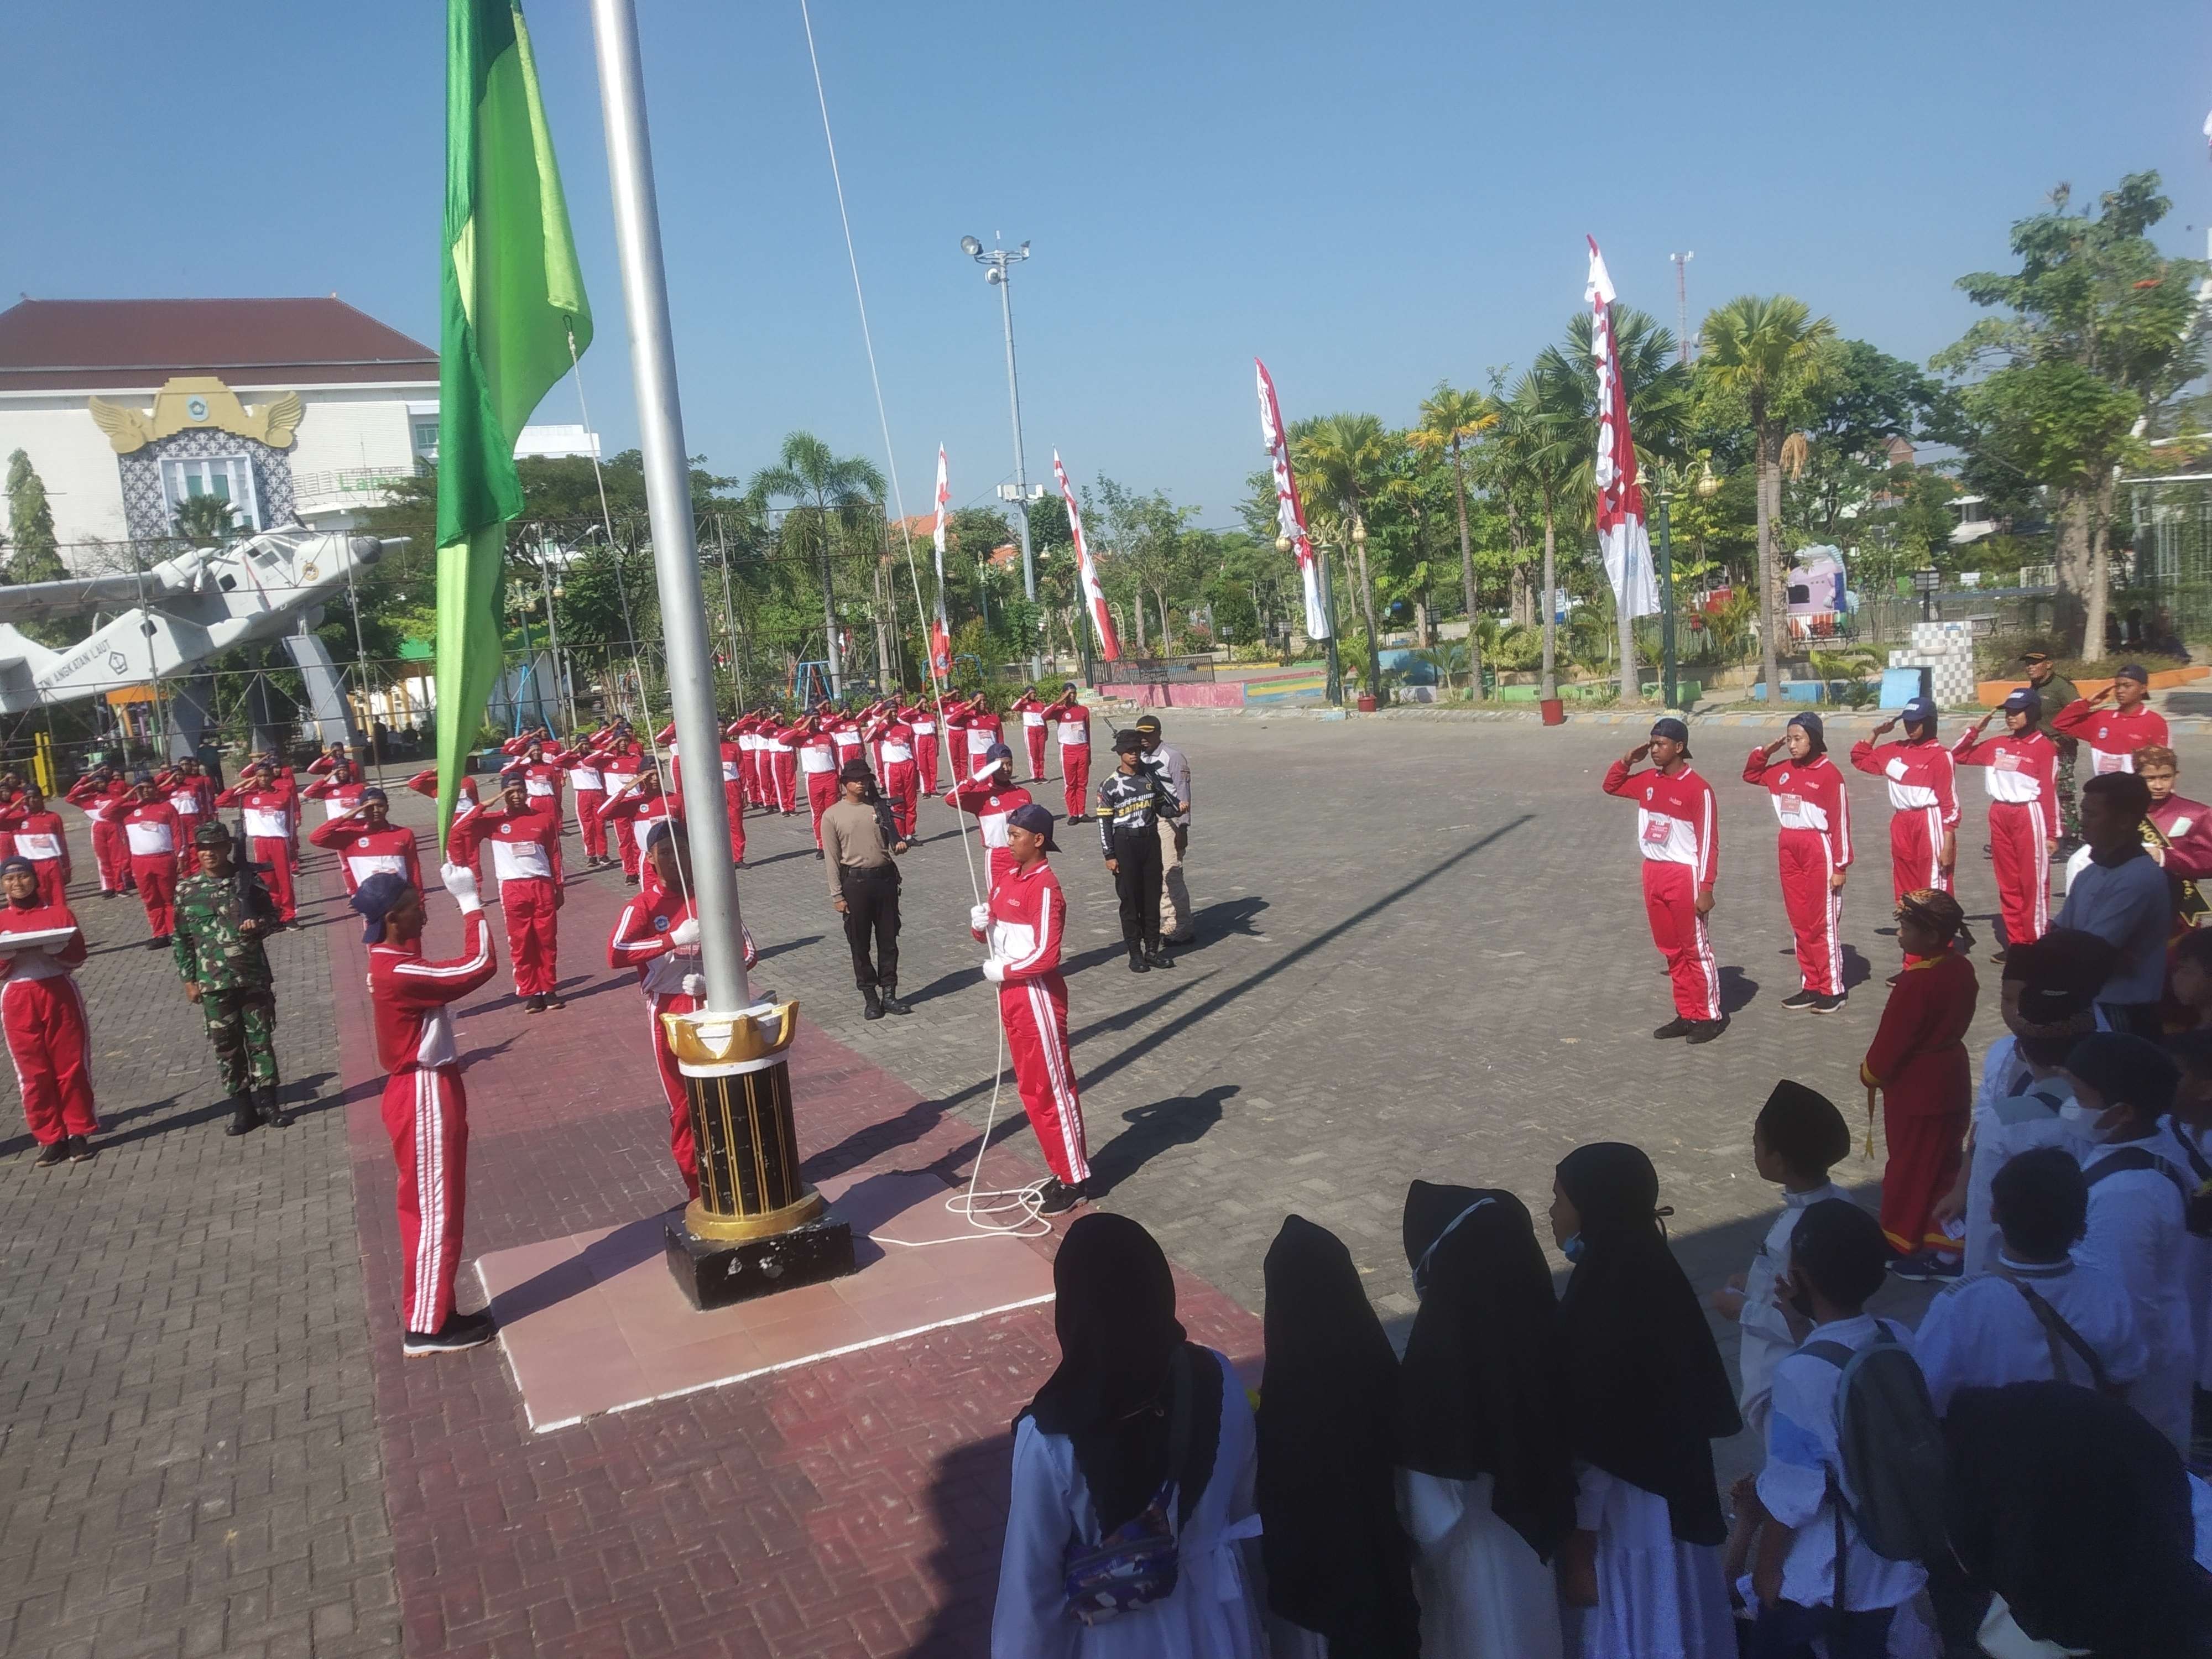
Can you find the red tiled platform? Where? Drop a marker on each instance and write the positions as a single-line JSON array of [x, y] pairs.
[[595, 1322], [849, 1506]]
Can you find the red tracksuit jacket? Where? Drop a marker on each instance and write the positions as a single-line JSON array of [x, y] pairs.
[[1806, 795], [1920, 772], [411, 993], [2112, 733], [1676, 820]]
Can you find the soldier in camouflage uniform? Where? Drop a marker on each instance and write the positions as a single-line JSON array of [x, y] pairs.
[[223, 912], [2056, 691]]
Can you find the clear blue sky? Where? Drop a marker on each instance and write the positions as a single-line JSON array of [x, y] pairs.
[[1369, 198]]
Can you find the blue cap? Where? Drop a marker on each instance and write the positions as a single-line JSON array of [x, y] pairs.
[[998, 751], [373, 901], [2024, 701], [1038, 821], [17, 861], [1918, 711], [2135, 671]]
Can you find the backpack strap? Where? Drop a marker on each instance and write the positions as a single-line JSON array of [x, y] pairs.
[[1178, 1435], [2197, 1159], [2058, 1332], [2137, 1157]]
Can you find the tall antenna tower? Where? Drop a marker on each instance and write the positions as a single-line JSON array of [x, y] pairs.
[[1682, 301]]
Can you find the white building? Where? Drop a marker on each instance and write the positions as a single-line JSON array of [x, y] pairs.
[[303, 408]]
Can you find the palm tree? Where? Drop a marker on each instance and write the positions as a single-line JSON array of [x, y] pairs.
[[1761, 348], [1344, 457], [1448, 419], [1658, 388], [1531, 455], [828, 492], [206, 520]]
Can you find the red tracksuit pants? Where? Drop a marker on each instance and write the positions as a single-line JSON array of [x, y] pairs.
[[901, 788], [47, 1039], [1075, 776], [276, 853], [1916, 851], [786, 772], [589, 802], [624, 830], [1670, 901], [532, 941], [2019, 846], [734, 804], [1816, 911], [1033, 737], [1035, 1013], [426, 1113], [157, 889], [821, 795], [111, 851], [925, 761], [680, 1145]]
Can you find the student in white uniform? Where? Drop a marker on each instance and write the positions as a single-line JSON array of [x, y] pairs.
[[1646, 1395], [1798, 1137], [2191, 1126], [2039, 1316], [2138, 1195], [1486, 1485], [1094, 1461], [1339, 1569], [1837, 1263]]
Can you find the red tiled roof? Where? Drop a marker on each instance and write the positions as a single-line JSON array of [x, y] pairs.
[[52, 345]]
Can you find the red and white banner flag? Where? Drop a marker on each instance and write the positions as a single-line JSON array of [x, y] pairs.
[[940, 633], [1109, 644], [1289, 510], [1620, 531]]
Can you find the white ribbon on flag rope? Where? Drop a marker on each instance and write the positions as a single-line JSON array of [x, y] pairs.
[[1109, 644], [1620, 529], [1289, 510]]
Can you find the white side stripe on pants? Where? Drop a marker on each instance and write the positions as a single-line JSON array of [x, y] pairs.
[[1063, 1095]]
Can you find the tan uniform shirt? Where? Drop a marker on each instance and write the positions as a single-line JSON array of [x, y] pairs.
[[851, 838]]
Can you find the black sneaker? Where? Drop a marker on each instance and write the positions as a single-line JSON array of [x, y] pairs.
[[1827, 1004], [160, 941], [81, 1150], [1914, 1269], [1056, 1197], [533, 1005], [1677, 1027], [1704, 1031], [1945, 1268], [460, 1330], [1802, 1001], [553, 999], [53, 1153], [1159, 957]]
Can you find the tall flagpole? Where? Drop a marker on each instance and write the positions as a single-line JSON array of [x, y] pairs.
[[668, 500]]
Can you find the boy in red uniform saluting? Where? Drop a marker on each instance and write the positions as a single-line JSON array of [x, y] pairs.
[[524, 841], [1678, 833], [369, 843], [2022, 779], [1923, 798]]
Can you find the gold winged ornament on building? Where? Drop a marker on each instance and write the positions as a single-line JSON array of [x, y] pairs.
[[197, 402]]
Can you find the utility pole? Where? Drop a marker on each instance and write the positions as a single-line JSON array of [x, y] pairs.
[[998, 267], [1682, 303]]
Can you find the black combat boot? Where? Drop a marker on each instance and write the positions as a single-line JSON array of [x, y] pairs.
[[271, 1114], [244, 1120], [875, 1008], [892, 1003]]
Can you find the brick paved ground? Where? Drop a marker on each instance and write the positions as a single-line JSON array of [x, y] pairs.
[[1424, 954]]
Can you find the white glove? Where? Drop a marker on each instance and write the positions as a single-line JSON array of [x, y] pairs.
[[695, 985], [684, 933], [979, 917], [462, 885], [995, 969]]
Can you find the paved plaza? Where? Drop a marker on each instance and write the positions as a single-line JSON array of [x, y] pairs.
[[1422, 953]]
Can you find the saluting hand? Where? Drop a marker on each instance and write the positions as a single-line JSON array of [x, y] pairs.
[[1889, 724], [1636, 754]]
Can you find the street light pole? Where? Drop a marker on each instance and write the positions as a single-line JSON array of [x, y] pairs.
[[1666, 685], [998, 263], [1367, 607]]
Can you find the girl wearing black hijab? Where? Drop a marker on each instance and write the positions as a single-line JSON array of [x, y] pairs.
[[1338, 1564], [1486, 1484], [1814, 850], [1093, 1449], [1645, 1394]]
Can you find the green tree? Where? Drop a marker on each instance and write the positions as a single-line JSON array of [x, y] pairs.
[[1143, 540], [1345, 459], [37, 557], [205, 521], [2098, 334], [833, 497], [1450, 419], [1532, 461], [1764, 347]]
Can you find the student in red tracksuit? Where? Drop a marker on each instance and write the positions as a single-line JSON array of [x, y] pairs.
[[1924, 799], [42, 1014], [338, 789], [1031, 707], [426, 1111], [524, 840], [921, 715], [1678, 832], [1070, 724], [1918, 1061], [893, 738], [267, 812], [465, 806], [633, 810], [845, 734], [657, 934], [621, 759], [369, 843], [1024, 924], [734, 789], [190, 792], [741, 732], [2112, 735], [816, 752], [587, 789], [992, 796], [980, 729], [1814, 852], [779, 764], [101, 796], [149, 826], [38, 834], [545, 773], [2023, 780]]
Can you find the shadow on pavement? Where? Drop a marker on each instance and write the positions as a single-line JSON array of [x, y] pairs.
[[1737, 990], [1153, 1130]]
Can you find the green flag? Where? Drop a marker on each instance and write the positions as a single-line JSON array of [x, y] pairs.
[[514, 299]]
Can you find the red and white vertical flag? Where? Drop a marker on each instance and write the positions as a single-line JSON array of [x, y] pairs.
[[1290, 511], [940, 635], [1620, 531], [1109, 644]]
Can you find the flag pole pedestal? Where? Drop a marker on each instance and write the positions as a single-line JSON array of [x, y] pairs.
[[756, 1227]]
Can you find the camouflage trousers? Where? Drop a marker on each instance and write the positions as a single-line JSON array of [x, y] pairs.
[[242, 1027], [2070, 805]]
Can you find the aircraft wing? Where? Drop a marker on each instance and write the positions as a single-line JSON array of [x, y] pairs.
[[73, 596]]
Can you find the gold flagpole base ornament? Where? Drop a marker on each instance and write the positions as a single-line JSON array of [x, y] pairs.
[[756, 1227]]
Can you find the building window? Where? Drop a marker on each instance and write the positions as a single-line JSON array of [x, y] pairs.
[[426, 440], [230, 477]]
